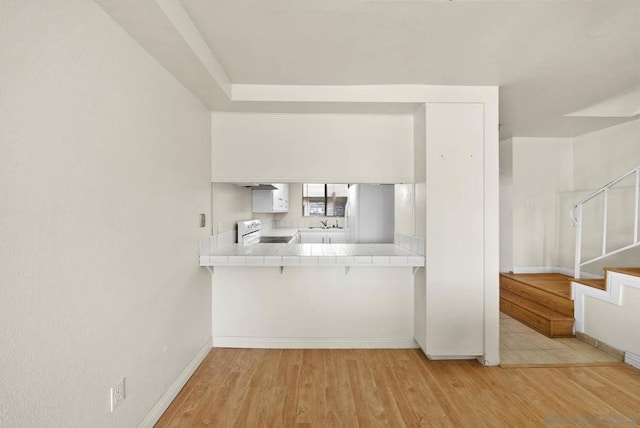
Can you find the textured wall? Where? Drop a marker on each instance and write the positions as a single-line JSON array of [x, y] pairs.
[[312, 148], [104, 168]]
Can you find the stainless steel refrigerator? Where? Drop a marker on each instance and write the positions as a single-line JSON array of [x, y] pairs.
[[369, 214]]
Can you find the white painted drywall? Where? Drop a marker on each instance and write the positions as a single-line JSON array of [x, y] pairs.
[[419, 170], [337, 148], [601, 156], [456, 209], [506, 205], [419, 223], [542, 168], [455, 230], [307, 305], [615, 325], [403, 208], [104, 170]]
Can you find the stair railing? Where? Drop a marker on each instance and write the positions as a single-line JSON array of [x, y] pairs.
[[576, 216]]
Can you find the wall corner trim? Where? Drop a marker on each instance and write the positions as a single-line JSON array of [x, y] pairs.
[[632, 359], [163, 403]]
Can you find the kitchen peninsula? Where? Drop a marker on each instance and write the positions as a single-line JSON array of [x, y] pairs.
[[312, 255], [312, 295]]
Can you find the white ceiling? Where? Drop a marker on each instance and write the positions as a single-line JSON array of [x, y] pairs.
[[564, 67], [550, 58]]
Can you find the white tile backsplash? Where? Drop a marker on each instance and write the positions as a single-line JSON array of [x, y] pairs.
[[411, 243], [309, 222]]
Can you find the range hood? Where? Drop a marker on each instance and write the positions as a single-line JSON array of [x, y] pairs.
[[257, 186]]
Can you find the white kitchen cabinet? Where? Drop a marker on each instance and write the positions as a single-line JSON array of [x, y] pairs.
[[311, 238], [335, 237], [272, 201], [322, 236]]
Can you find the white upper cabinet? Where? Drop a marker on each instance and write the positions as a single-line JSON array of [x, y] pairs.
[[272, 201]]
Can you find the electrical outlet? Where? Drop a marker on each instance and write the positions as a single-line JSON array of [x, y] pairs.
[[117, 394]]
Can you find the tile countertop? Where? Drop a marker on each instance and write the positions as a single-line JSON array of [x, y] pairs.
[[312, 255]]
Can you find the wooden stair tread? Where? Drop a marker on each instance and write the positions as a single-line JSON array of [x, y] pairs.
[[554, 283], [633, 271], [599, 283], [534, 307]]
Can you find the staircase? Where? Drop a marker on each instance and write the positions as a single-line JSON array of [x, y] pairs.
[[544, 302], [601, 283], [607, 248], [540, 301]]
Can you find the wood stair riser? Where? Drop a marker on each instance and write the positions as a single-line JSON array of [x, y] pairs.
[[550, 328], [551, 301]]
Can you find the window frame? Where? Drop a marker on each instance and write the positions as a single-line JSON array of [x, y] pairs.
[[325, 200]]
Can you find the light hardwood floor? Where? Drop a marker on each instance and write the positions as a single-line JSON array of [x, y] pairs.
[[396, 388]]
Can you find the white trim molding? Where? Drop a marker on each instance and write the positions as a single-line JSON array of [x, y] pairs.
[[632, 359], [314, 342], [163, 403], [552, 269], [613, 294]]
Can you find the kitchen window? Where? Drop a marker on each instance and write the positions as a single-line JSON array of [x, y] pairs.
[[324, 200]]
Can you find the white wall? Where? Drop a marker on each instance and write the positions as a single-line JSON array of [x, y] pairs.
[[456, 208], [336, 148], [232, 204], [506, 205], [403, 208], [615, 325], [542, 168], [104, 170], [419, 222], [601, 156], [455, 229]]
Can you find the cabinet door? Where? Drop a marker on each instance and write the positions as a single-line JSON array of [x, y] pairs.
[[262, 201], [335, 238], [281, 198], [311, 238]]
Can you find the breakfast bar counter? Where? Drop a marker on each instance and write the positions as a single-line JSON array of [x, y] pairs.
[[258, 254]]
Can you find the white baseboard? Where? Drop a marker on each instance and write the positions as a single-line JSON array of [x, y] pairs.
[[163, 403], [632, 359], [553, 269], [452, 357], [313, 342]]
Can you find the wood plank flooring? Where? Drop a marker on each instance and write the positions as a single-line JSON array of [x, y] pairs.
[[396, 388]]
